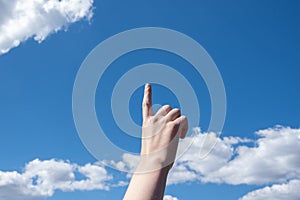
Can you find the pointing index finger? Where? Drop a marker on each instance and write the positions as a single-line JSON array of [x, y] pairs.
[[147, 102]]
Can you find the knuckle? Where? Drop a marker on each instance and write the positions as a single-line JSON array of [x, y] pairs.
[[152, 120], [172, 125], [176, 111], [167, 107], [146, 103], [156, 118], [146, 123]]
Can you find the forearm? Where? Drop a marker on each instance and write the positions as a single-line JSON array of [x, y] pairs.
[[147, 186]]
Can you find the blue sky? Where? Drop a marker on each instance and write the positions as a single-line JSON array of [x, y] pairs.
[[255, 45]]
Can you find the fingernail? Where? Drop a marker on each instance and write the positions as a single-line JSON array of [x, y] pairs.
[[147, 85]]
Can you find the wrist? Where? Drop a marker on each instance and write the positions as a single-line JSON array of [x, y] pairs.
[[151, 163]]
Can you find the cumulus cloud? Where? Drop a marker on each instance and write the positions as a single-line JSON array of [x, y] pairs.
[[128, 163], [169, 197], [23, 19], [271, 159], [288, 190], [42, 178]]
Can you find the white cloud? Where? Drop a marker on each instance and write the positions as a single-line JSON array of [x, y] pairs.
[[23, 19], [181, 174], [41, 179], [169, 197], [274, 158], [193, 166], [127, 164], [271, 159], [288, 191]]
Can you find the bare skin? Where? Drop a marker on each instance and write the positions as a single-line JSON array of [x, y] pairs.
[[160, 137]]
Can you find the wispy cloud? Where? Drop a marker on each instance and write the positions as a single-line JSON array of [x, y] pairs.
[[23, 19]]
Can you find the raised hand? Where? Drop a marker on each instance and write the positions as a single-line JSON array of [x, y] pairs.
[[160, 132], [160, 136]]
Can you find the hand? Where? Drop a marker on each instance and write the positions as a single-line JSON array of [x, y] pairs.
[[160, 137], [160, 134]]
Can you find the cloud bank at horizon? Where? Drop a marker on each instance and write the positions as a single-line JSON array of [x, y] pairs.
[[271, 161]]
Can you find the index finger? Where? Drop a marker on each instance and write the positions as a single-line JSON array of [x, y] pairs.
[[147, 102]]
